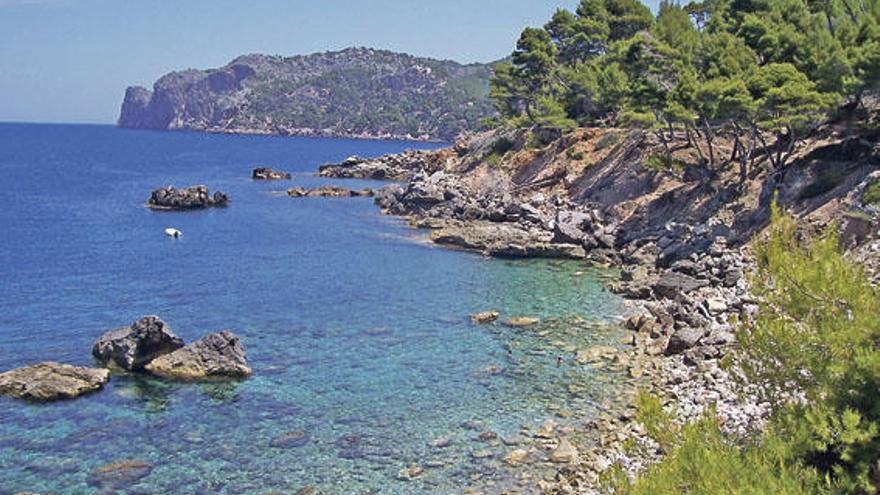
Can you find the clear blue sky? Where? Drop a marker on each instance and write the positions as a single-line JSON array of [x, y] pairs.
[[71, 60]]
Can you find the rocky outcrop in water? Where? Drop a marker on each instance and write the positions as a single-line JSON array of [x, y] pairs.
[[328, 192], [191, 198], [131, 348], [265, 173], [216, 356], [51, 381], [399, 167]]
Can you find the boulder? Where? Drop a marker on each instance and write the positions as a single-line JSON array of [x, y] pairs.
[[682, 340], [328, 192], [50, 381], [291, 439], [522, 321], [570, 226], [131, 348], [265, 173], [564, 453], [219, 355], [673, 284], [484, 317], [191, 198]]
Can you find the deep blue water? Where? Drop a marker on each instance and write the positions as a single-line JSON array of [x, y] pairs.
[[357, 329]]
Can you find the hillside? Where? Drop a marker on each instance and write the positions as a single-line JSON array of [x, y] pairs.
[[357, 92]]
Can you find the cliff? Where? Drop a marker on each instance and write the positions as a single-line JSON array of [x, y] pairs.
[[357, 92]]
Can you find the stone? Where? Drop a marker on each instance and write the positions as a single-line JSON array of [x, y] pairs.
[[190, 198], [328, 192], [220, 355], [133, 347], [682, 340], [596, 353], [309, 490], [547, 430], [673, 284], [51, 381], [410, 473], [118, 475], [484, 317], [716, 305], [265, 173], [522, 321], [564, 453], [569, 227], [516, 457], [290, 440]]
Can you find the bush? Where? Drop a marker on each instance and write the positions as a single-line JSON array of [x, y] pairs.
[[574, 154], [659, 163], [871, 195], [607, 141]]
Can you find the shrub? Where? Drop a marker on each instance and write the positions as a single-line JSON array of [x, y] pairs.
[[574, 154], [871, 195], [661, 163], [607, 141]]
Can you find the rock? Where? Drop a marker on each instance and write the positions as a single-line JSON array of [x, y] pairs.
[[328, 192], [673, 284], [564, 453], [516, 457], [410, 473], [264, 173], [484, 317], [595, 353], [291, 440], [50, 381], [133, 347], [309, 490], [219, 355], [522, 321], [118, 475], [191, 198], [547, 430], [683, 340], [569, 227], [716, 305]]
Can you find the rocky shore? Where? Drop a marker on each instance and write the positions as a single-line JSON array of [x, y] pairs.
[[679, 239]]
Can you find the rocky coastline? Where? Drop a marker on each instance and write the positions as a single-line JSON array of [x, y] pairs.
[[169, 198], [686, 282]]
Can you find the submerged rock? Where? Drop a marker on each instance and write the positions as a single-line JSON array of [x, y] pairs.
[[118, 475], [219, 355], [516, 457], [133, 347], [484, 317], [265, 173], [291, 439], [51, 381], [191, 198], [522, 321], [564, 453]]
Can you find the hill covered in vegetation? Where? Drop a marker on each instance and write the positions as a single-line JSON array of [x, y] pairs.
[[357, 92]]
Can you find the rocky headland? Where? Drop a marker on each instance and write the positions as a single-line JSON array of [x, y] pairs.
[[323, 94], [679, 236]]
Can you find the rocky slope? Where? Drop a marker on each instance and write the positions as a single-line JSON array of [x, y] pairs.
[[357, 92], [679, 234]]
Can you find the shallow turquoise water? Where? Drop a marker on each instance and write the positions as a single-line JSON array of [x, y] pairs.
[[357, 329]]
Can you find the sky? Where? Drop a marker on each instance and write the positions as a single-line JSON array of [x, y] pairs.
[[71, 60]]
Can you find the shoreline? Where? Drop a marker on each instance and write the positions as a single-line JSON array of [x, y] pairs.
[[678, 320]]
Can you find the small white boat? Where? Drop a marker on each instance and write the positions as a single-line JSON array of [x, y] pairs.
[[173, 233]]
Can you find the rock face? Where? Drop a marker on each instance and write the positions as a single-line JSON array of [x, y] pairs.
[[191, 198], [264, 173], [51, 381], [216, 356], [332, 94], [328, 192], [132, 348]]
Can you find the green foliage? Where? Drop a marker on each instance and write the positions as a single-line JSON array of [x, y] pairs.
[[764, 72], [700, 459], [607, 141], [871, 195], [574, 154], [816, 335], [660, 163]]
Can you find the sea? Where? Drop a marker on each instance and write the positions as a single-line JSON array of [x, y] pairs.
[[356, 327]]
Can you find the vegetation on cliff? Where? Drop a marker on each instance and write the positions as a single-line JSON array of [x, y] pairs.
[[765, 73], [354, 92]]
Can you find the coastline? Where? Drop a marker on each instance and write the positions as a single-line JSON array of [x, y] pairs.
[[686, 285]]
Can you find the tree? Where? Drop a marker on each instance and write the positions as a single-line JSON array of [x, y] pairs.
[[788, 107]]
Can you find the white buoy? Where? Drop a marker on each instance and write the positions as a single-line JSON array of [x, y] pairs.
[[173, 233]]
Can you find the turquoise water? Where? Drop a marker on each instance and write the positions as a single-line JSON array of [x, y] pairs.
[[356, 328]]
